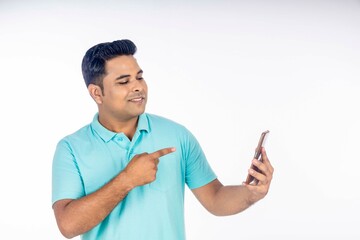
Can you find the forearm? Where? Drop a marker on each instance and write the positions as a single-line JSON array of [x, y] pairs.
[[230, 200], [223, 200], [80, 215]]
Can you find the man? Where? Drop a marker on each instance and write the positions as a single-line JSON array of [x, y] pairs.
[[123, 175]]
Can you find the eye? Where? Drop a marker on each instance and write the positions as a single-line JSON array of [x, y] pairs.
[[123, 83]]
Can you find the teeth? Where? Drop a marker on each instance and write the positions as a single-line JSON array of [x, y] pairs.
[[136, 99]]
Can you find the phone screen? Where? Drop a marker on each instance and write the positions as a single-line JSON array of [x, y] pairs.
[[257, 155]]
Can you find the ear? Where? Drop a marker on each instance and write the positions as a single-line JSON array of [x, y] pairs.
[[95, 93]]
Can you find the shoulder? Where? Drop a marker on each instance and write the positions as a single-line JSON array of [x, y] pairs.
[[157, 118], [79, 136], [156, 121], [169, 128]]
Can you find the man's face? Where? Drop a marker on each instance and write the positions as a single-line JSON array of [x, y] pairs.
[[125, 91]]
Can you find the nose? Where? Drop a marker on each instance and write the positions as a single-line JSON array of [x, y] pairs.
[[138, 85]]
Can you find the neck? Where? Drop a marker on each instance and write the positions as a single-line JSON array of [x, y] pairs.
[[126, 126]]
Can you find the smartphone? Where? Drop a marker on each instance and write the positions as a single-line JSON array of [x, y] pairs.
[[257, 155]]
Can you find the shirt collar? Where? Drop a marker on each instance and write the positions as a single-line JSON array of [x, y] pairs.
[[106, 135]]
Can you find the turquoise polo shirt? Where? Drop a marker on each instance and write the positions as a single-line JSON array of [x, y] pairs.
[[89, 158]]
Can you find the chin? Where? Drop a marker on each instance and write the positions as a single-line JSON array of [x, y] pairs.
[[139, 112]]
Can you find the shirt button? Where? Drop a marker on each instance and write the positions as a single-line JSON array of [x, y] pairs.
[[119, 139]]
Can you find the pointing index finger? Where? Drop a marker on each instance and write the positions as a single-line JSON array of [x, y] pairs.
[[162, 152]]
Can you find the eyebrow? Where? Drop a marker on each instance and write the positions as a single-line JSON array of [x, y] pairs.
[[125, 76]]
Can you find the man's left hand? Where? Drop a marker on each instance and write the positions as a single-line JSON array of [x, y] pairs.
[[260, 188]]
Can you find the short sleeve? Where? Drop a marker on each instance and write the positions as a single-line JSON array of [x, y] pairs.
[[66, 178], [198, 171]]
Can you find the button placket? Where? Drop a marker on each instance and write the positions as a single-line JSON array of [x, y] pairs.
[[132, 145]]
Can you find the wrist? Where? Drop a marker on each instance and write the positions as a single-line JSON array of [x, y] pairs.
[[126, 181], [250, 198]]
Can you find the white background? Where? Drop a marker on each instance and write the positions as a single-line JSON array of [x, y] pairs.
[[227, 70]]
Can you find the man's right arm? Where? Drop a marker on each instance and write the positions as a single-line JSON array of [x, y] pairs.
[[77, 216]]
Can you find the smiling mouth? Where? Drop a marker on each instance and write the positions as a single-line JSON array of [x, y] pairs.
[[139, 99]]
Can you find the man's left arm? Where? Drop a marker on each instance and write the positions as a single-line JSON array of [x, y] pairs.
[[228, 200]]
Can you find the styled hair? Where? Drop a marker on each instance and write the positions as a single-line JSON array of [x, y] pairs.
[[93, 63]]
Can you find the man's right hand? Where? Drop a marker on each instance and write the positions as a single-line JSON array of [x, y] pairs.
[[142, 168]]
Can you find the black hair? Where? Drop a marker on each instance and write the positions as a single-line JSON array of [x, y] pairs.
[[93, 63]]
